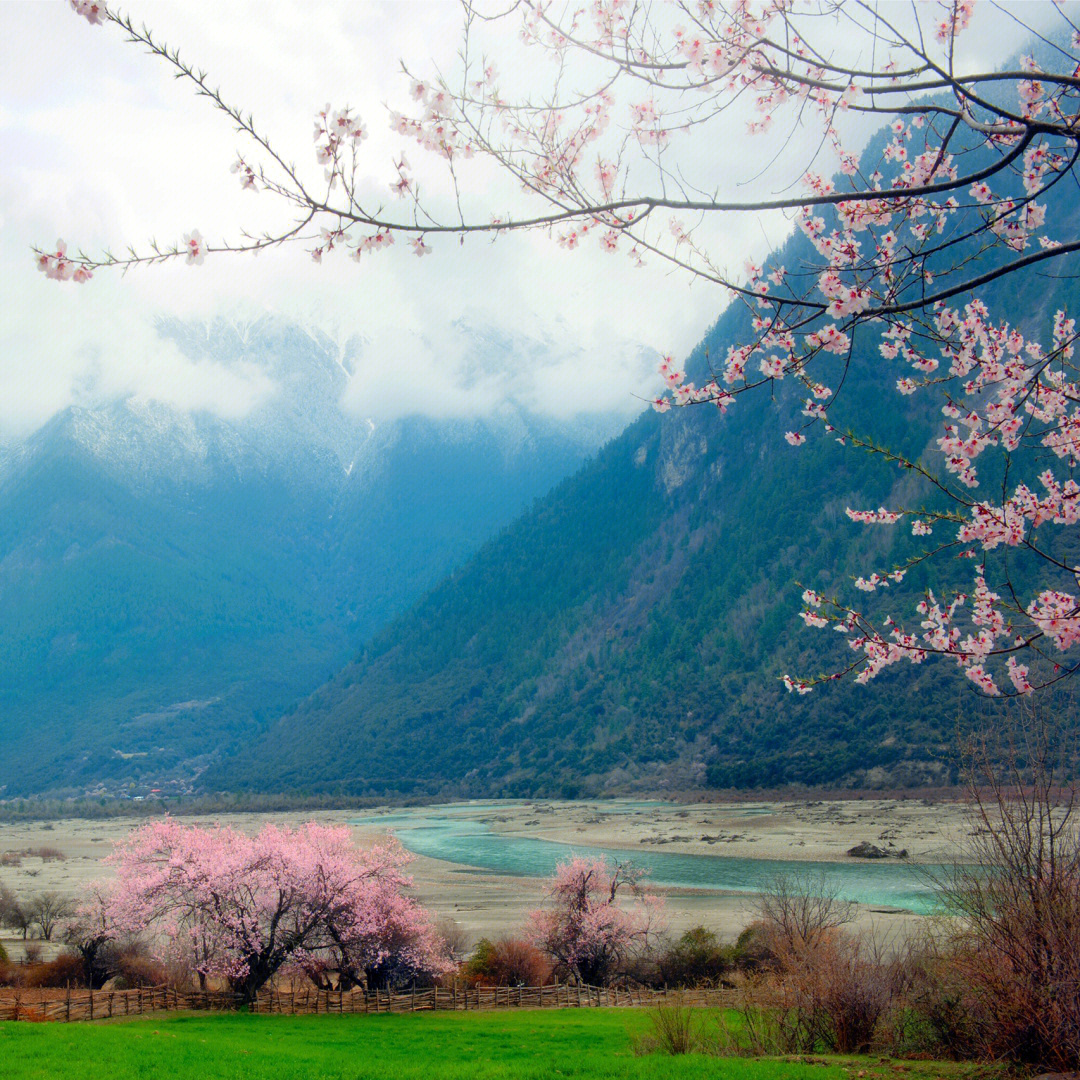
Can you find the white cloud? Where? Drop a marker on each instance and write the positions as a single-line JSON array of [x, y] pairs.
[[102, 146]]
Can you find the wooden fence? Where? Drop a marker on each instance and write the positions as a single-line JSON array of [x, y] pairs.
[[72, 1005]]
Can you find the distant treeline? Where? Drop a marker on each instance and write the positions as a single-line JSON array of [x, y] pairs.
[[222, 803]]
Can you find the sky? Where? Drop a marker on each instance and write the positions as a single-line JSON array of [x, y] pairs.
[[102, 147]]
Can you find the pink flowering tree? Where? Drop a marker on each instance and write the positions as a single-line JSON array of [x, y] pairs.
[[597, 917], [240, 908], [395, 945], [92, 932], [903, 242]]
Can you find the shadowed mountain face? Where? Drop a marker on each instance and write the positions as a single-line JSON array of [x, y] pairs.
[[171, 581]]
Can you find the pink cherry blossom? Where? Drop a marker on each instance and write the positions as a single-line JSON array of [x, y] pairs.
[[195, 247], [596, 916], [240, 907], [93, 11]]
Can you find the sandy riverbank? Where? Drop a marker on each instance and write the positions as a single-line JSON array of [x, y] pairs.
[[490, 904], [812, 830]]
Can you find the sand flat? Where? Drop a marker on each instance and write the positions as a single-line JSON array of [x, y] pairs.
[[810, 831]]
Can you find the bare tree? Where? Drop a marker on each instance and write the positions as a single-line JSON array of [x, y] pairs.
[[800, 909], [47, 909], [454, 938], [825, 987], [13, 915]]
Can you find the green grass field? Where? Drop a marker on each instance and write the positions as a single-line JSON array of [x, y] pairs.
[[596, 1043]]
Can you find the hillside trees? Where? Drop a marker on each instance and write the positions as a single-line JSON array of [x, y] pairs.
[[614, 144], [237, 907]]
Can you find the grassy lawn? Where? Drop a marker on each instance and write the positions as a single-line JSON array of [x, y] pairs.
[[485, 1046]]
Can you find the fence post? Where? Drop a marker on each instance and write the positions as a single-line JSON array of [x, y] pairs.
[[67, 1003]]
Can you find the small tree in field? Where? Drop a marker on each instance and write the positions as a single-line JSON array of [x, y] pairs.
[[240, 907], [13, 915], [618, 146], [597, 918], [47, 909]]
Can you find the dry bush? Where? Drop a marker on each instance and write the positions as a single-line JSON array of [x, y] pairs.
[[10, 858], [45, 854], [65, 970], [136, 969], [810, 986], [11, 974], [31, 953], [1013, 962], [836, 994], [507, 962]]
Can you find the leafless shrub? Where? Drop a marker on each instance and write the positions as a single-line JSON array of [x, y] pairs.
[[135, 968], [801, 909], [10, 858], [65, 970], [507, 962], [1014, 958], [454, 938], [814, 986]]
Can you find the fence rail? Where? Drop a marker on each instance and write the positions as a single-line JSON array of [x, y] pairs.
[[73, 1005]]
